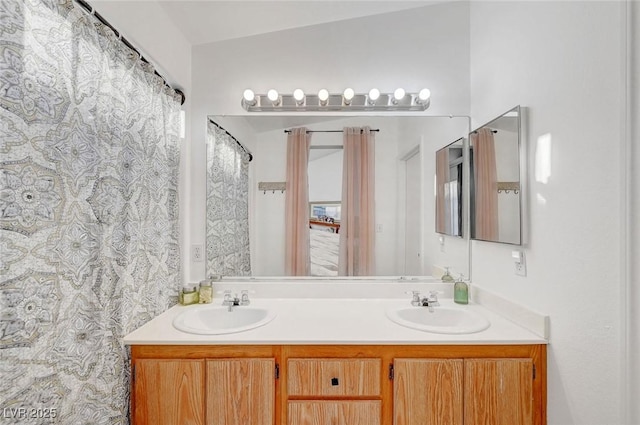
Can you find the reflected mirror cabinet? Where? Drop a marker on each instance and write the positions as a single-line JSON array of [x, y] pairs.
[[497, 166], [422, 175]]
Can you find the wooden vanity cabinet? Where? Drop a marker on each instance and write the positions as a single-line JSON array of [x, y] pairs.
[[333, 391], [428, 392], [169, 392], [240, 391], [202, 385], [339, 385], [499, 391], [464, 391]]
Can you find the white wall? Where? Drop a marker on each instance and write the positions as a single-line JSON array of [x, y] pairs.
[[428, 47], [563, 62], [632, 296], [325, 178]]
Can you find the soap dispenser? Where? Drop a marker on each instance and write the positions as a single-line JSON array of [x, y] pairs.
[[446, 277], [461, 291], [188, 295]]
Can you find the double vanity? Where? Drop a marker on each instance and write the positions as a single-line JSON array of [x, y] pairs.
[[326, 353]]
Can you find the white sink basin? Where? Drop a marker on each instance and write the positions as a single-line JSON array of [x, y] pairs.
[[443, 320], [217, 319]]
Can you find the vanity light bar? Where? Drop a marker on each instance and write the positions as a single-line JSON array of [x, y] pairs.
[[325, 101]]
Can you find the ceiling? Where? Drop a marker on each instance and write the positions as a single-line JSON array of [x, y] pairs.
[[213, 20]]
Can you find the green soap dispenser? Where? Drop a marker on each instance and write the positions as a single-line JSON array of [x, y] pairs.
[[461, 291]]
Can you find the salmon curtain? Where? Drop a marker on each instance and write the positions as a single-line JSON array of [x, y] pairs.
[[486, 185], [357, 222], [442, 177], [297, 257]]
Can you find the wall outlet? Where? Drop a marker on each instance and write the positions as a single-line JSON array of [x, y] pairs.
[[521, 266], [197, 253]]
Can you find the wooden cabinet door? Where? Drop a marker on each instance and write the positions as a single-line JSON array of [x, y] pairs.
[[427, 392], [498, 392], [240, 392], [334, 412], [169, 392]]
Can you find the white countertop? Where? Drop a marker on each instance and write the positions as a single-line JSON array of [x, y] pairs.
[[326, 321]]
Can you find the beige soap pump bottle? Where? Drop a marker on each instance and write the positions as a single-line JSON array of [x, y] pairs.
[[461, 291]]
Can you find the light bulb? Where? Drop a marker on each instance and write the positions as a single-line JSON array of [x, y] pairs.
[[323, 95], [424, 95], [374, 94], [298, 95], [249, 95], [348, 94], [399, 93], [273, 95]]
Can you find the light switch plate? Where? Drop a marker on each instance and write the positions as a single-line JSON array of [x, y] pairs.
[[521, 266]]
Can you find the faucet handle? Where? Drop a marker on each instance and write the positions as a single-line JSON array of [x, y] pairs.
[[244, 297], [432, 299], [415, 297]]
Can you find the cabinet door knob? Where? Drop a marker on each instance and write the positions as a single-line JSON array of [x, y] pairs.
[[334, 381]]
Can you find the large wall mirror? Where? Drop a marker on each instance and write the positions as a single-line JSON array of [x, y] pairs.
[[496, 184], [406, 241]]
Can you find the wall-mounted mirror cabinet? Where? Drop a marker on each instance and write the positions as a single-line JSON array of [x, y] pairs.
[[495, 152], [406, 242]]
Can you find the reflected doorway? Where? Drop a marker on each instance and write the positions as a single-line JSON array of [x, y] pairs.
[[413, 215]]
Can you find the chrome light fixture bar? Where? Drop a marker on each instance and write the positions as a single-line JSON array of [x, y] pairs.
[[347, 101]]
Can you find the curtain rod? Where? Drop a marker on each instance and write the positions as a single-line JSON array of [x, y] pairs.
[[476, 131], [329, 131], [247, 151], [92, 11]]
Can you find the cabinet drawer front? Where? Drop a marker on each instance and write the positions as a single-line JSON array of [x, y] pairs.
[[334, 412], [334, 377]]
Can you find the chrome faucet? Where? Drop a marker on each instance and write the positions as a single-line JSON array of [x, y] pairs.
[[429, 301], [235, 301]]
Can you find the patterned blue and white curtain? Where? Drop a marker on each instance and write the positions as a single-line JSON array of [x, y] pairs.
[[227, 205], [88, 210]]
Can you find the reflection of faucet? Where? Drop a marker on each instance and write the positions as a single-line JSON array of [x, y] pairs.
[[235, 301], [429, 301]]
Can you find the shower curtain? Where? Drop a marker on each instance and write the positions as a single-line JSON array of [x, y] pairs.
[[357, 237], [88, 210], [227, 205]]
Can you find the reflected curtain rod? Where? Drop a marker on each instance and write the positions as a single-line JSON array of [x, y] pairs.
[[329, 131], [476, 131], [247, 151], [92, 11]]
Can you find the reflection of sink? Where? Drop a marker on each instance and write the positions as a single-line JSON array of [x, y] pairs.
[[216, 320], [442, 320]]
